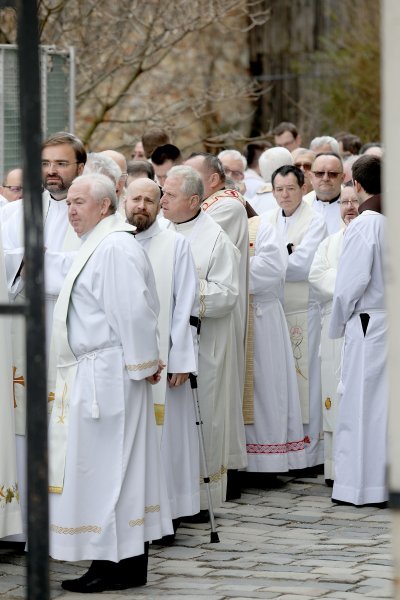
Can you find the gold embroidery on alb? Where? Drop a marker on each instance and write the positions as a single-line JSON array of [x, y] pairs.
[[152, 508], [17, 380], [142, 366], [75, 530], [62, 416], [216, 476], [159, 410], [136, 523]]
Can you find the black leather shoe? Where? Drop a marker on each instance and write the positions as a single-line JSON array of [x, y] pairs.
[[201, 517], [98, 579]]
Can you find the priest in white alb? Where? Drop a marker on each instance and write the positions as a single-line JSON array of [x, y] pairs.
[[274, 430], [10, 513], [322, 278], [227, 207], [359, 313], [63, 158], [217, 264], [178, 288], [303, 230], [107, 493]]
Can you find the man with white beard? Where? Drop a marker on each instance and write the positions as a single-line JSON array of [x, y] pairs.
[[177, 287], [322, 279]]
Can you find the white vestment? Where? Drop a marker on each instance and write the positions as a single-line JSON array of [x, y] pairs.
[[322, 279], [305, 229], [217, 264], [253, 182], [179, 297], [60, 242], [275, 442], [263, 200], [113, 498], [329, 211], [226, 207], [10, 513], [358, 312]]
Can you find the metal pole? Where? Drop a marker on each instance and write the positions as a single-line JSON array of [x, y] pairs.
[[391, 132], [29, 86]]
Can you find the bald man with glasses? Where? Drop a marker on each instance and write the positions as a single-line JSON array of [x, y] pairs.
[[327, 177]]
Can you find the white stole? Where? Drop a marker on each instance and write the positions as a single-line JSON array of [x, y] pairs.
[[296, 307], [161, 253], [63, 357]]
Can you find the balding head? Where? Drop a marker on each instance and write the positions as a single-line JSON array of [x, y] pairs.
[[120, 159], [142, 203]]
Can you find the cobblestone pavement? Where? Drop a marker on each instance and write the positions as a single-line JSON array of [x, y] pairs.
[[289, 542]]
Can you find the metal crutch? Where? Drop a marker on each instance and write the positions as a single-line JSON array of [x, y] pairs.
[[214, 538]]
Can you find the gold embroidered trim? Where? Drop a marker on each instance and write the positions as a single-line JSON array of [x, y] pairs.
[[152, 508], [216, 476], [75, 530], [17, 379], [61, 418], [159, 410], [248, 396], [9, 494], [55, 490], [136, 523], [51, 397], [202, 310], [143, 366]]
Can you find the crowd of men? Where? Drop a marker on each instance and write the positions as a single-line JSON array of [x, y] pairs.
[[262, 273]]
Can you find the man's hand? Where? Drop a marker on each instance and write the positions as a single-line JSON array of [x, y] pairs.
[[155, 378], [175, 379]]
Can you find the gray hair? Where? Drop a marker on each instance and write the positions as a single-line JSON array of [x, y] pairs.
[[192, 183], [234, 154], [101, 163], [322, 141], [101, 187]]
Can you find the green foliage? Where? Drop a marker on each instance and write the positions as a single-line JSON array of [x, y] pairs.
[[350, 99]]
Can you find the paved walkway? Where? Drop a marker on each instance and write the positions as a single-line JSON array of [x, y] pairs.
[[286, 543]]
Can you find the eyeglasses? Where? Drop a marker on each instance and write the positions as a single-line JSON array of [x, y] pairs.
[[306, 166], [230, 172], [13, 188], [59, 164], [330, 174], [349, 202]]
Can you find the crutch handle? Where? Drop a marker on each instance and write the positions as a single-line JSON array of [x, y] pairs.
[[193, 381]]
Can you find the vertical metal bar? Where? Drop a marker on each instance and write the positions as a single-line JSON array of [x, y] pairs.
[[2, 169], [72, 74], [391, 131], [29, 83]]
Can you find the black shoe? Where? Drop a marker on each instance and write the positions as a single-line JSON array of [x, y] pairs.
[[201, 517], [233, 487], [102, 576], [166, 540], [341, 502]]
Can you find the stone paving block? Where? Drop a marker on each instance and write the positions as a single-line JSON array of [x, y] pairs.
[[295, 591], [178, 552], [339, 573], [7, 584]]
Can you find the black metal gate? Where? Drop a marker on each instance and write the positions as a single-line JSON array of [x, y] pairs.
[[33, 309]]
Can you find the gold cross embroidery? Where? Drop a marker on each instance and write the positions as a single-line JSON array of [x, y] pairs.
[[62, 416], [20, 380]]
